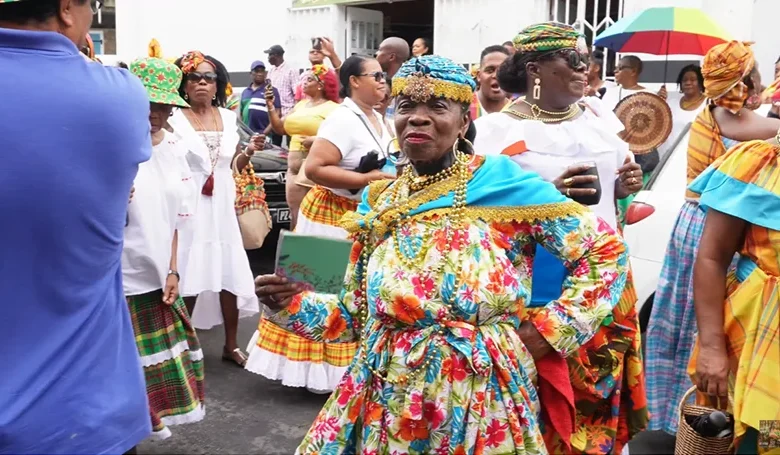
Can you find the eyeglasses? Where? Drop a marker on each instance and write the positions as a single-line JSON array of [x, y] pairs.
[[378, 76], [95, 6], [197, 77]]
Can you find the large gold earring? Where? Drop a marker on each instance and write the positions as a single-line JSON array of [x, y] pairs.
[[537, 88]]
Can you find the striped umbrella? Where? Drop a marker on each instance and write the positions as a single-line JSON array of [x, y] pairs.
[[664, 31]]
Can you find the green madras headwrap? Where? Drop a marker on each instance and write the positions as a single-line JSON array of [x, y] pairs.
[[548, 36]]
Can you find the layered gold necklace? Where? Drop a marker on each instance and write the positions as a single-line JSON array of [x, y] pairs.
[[453, 222], [542, 115], [693, 104]]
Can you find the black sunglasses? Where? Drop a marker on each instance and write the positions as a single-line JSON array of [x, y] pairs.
[[377, 75], [573, 57], [197, 77]]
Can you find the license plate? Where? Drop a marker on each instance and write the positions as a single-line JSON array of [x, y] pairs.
[[283, 216]]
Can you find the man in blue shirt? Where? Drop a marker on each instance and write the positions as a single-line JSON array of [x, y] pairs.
[[72, 380], [254, 109]]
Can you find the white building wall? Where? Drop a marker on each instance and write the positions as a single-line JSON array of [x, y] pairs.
[[214, 27], [766, 36], [462, 28]]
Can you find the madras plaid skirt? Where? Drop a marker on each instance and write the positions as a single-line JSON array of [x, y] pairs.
[[278, 341], [172, 360], [323, 206], [672, 327]]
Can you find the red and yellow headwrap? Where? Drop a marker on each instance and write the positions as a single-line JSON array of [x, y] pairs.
[[772, 93], [319, 71], [191, 60], [724, 68]]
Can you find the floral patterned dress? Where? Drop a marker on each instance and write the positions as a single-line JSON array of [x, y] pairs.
[[441, 368]]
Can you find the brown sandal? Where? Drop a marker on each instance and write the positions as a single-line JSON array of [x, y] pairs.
[[236, 356]]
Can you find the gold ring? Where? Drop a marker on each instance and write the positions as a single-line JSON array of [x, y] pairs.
[[633, 180], [568, 181], [568, 190]]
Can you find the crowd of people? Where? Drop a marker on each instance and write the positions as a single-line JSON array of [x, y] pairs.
[[488, 305]]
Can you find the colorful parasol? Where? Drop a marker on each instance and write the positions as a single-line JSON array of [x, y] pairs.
[[664, 31]]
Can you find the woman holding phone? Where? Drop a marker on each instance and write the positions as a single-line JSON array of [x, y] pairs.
[[573, 143], [350, 152]]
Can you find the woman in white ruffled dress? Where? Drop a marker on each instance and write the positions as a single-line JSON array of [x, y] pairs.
[[214, 265]]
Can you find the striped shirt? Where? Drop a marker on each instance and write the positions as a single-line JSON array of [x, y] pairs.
[[284, 78]]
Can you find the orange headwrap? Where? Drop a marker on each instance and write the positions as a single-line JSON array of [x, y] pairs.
[[191, 60], [724, 68]]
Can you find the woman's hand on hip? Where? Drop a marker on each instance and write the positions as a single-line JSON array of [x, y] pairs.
[[571, 178], [275, 292], [712, 374], [534, 341], [630, 179]]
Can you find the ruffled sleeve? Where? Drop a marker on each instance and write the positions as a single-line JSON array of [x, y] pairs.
[[744, 183]]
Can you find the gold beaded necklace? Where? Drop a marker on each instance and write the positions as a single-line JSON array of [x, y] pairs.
[[453, 222], [544, 116]]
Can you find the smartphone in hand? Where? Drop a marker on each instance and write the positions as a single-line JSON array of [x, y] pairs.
[[316, 43]]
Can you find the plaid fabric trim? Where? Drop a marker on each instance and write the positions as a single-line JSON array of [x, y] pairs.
[[278, 341], [704, 146], [325, 207], [174, 386]]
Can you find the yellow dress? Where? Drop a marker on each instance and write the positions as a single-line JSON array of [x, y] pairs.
[[305, 121], [745, 183]]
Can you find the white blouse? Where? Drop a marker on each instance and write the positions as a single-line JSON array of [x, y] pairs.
[[165, 198], [551, 148], [346, 128]]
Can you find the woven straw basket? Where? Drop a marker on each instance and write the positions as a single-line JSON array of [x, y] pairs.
[[689, 442]]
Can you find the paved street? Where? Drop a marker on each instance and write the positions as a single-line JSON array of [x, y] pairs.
[[247, 414]]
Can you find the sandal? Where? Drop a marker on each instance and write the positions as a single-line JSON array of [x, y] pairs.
[[236, 356]]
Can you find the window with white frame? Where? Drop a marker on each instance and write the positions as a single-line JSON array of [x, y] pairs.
[[591, 17]]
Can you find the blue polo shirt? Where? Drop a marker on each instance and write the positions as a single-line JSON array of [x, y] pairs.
[[72, 134], [254, 109]]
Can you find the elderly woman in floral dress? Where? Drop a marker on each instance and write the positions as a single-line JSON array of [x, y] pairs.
[[439, 276]]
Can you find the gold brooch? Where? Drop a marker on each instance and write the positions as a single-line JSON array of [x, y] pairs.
[[419, 87]]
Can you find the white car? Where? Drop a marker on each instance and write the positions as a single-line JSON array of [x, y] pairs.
[[649, 222], [651, 217]]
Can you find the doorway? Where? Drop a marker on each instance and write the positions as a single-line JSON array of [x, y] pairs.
[[407, 19]]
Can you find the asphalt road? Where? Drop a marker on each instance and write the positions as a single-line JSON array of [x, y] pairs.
[[247, 414]]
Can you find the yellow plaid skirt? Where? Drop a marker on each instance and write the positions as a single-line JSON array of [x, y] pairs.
[[322, 206], [278, 341], [752, 326]]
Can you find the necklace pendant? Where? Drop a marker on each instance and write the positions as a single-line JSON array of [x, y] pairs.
[[208, 187]]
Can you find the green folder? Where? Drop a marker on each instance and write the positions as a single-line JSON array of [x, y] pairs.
[[319, 263]]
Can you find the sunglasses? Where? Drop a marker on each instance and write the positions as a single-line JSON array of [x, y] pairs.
[[377, 75], [197, 77], [573, 57]]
